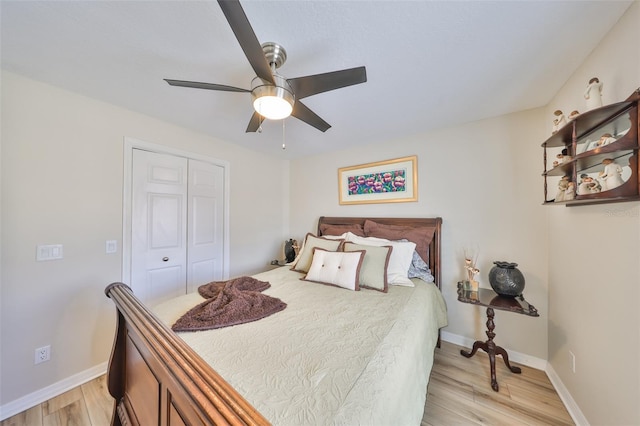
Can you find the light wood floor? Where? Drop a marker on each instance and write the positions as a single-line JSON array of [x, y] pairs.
[[459, 393], [86, 405]]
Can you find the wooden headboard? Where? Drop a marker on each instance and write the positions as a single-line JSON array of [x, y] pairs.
[[432, 258]]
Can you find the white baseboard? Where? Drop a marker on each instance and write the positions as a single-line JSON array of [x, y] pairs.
[[570, 404], [520, 358], [31, 400], [538, 364]]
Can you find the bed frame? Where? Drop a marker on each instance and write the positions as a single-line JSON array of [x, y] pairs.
[[157, 379]]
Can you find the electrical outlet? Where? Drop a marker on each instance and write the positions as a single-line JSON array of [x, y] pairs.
[[42, 354], [572, 360], [111, 246]]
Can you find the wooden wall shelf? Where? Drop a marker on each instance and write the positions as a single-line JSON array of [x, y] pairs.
[[584, 157]]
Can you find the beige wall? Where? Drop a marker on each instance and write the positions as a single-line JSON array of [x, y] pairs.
[[62, 179], [483, 178], [594, 261]]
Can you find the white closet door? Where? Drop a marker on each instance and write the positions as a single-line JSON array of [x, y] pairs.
[[177, 225], [159, 226], [205, 225]]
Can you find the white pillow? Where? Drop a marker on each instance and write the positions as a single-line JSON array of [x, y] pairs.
[[303, 261], [334, 237], [400, 260], [340, 268]]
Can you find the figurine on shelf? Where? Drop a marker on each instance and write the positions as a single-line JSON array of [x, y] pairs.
[[611, 176], [570, 192], [573, 114], [588, 185], [606, 139], [592, 144], [559, 121], [593, 94], [562, 158], [562, 188], [559, 160]]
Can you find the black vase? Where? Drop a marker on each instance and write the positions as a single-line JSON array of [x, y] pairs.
[[506, 279]]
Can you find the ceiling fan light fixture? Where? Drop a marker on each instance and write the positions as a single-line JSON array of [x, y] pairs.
[[272, 102]]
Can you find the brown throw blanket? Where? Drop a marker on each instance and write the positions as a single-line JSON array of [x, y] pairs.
[[228, 303]]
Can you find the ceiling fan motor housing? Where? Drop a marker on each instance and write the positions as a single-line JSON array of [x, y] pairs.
[[274, 102]]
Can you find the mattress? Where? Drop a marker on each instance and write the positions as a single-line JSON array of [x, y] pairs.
[[333, 356]]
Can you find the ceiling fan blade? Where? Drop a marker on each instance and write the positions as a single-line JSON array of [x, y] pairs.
[[302, 112], [209, 86], [314, 84], [254, 123], [247, 38]]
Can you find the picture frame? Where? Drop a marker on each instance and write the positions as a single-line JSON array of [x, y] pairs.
[[389, 181]]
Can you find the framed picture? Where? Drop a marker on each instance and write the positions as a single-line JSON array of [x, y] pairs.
[[390, 181]]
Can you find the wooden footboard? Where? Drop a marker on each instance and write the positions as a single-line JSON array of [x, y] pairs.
[[156, 379]]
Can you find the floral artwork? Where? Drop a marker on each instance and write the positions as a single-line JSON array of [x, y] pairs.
[[381, 182], [391, 181]]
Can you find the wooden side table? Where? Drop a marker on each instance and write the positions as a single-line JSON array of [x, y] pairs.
[[491, 299]]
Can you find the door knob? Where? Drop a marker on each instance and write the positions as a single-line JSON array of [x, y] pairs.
[[165, 259]]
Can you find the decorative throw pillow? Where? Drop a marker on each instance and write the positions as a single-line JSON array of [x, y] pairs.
[[303, 262], [399, 261], [337, 268], [373, 272], [422, 236], [328, 229], [326, 237], [420, 269]]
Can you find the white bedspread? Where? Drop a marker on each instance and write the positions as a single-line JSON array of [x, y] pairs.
[[333, 356]]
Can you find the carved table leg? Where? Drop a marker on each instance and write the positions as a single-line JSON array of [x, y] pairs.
[[505, 357], [492, 350]]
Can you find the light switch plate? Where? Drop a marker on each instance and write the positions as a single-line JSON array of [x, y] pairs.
[[49, 252]]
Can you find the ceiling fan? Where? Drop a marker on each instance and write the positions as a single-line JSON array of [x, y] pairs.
[[274, 96]]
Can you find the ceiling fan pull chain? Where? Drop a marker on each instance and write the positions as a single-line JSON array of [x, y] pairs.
[[284, 145]]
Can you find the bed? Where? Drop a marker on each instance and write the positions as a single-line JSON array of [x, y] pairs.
[[332, 356]]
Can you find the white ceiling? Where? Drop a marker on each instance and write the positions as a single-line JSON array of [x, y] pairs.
[[429, 63]]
